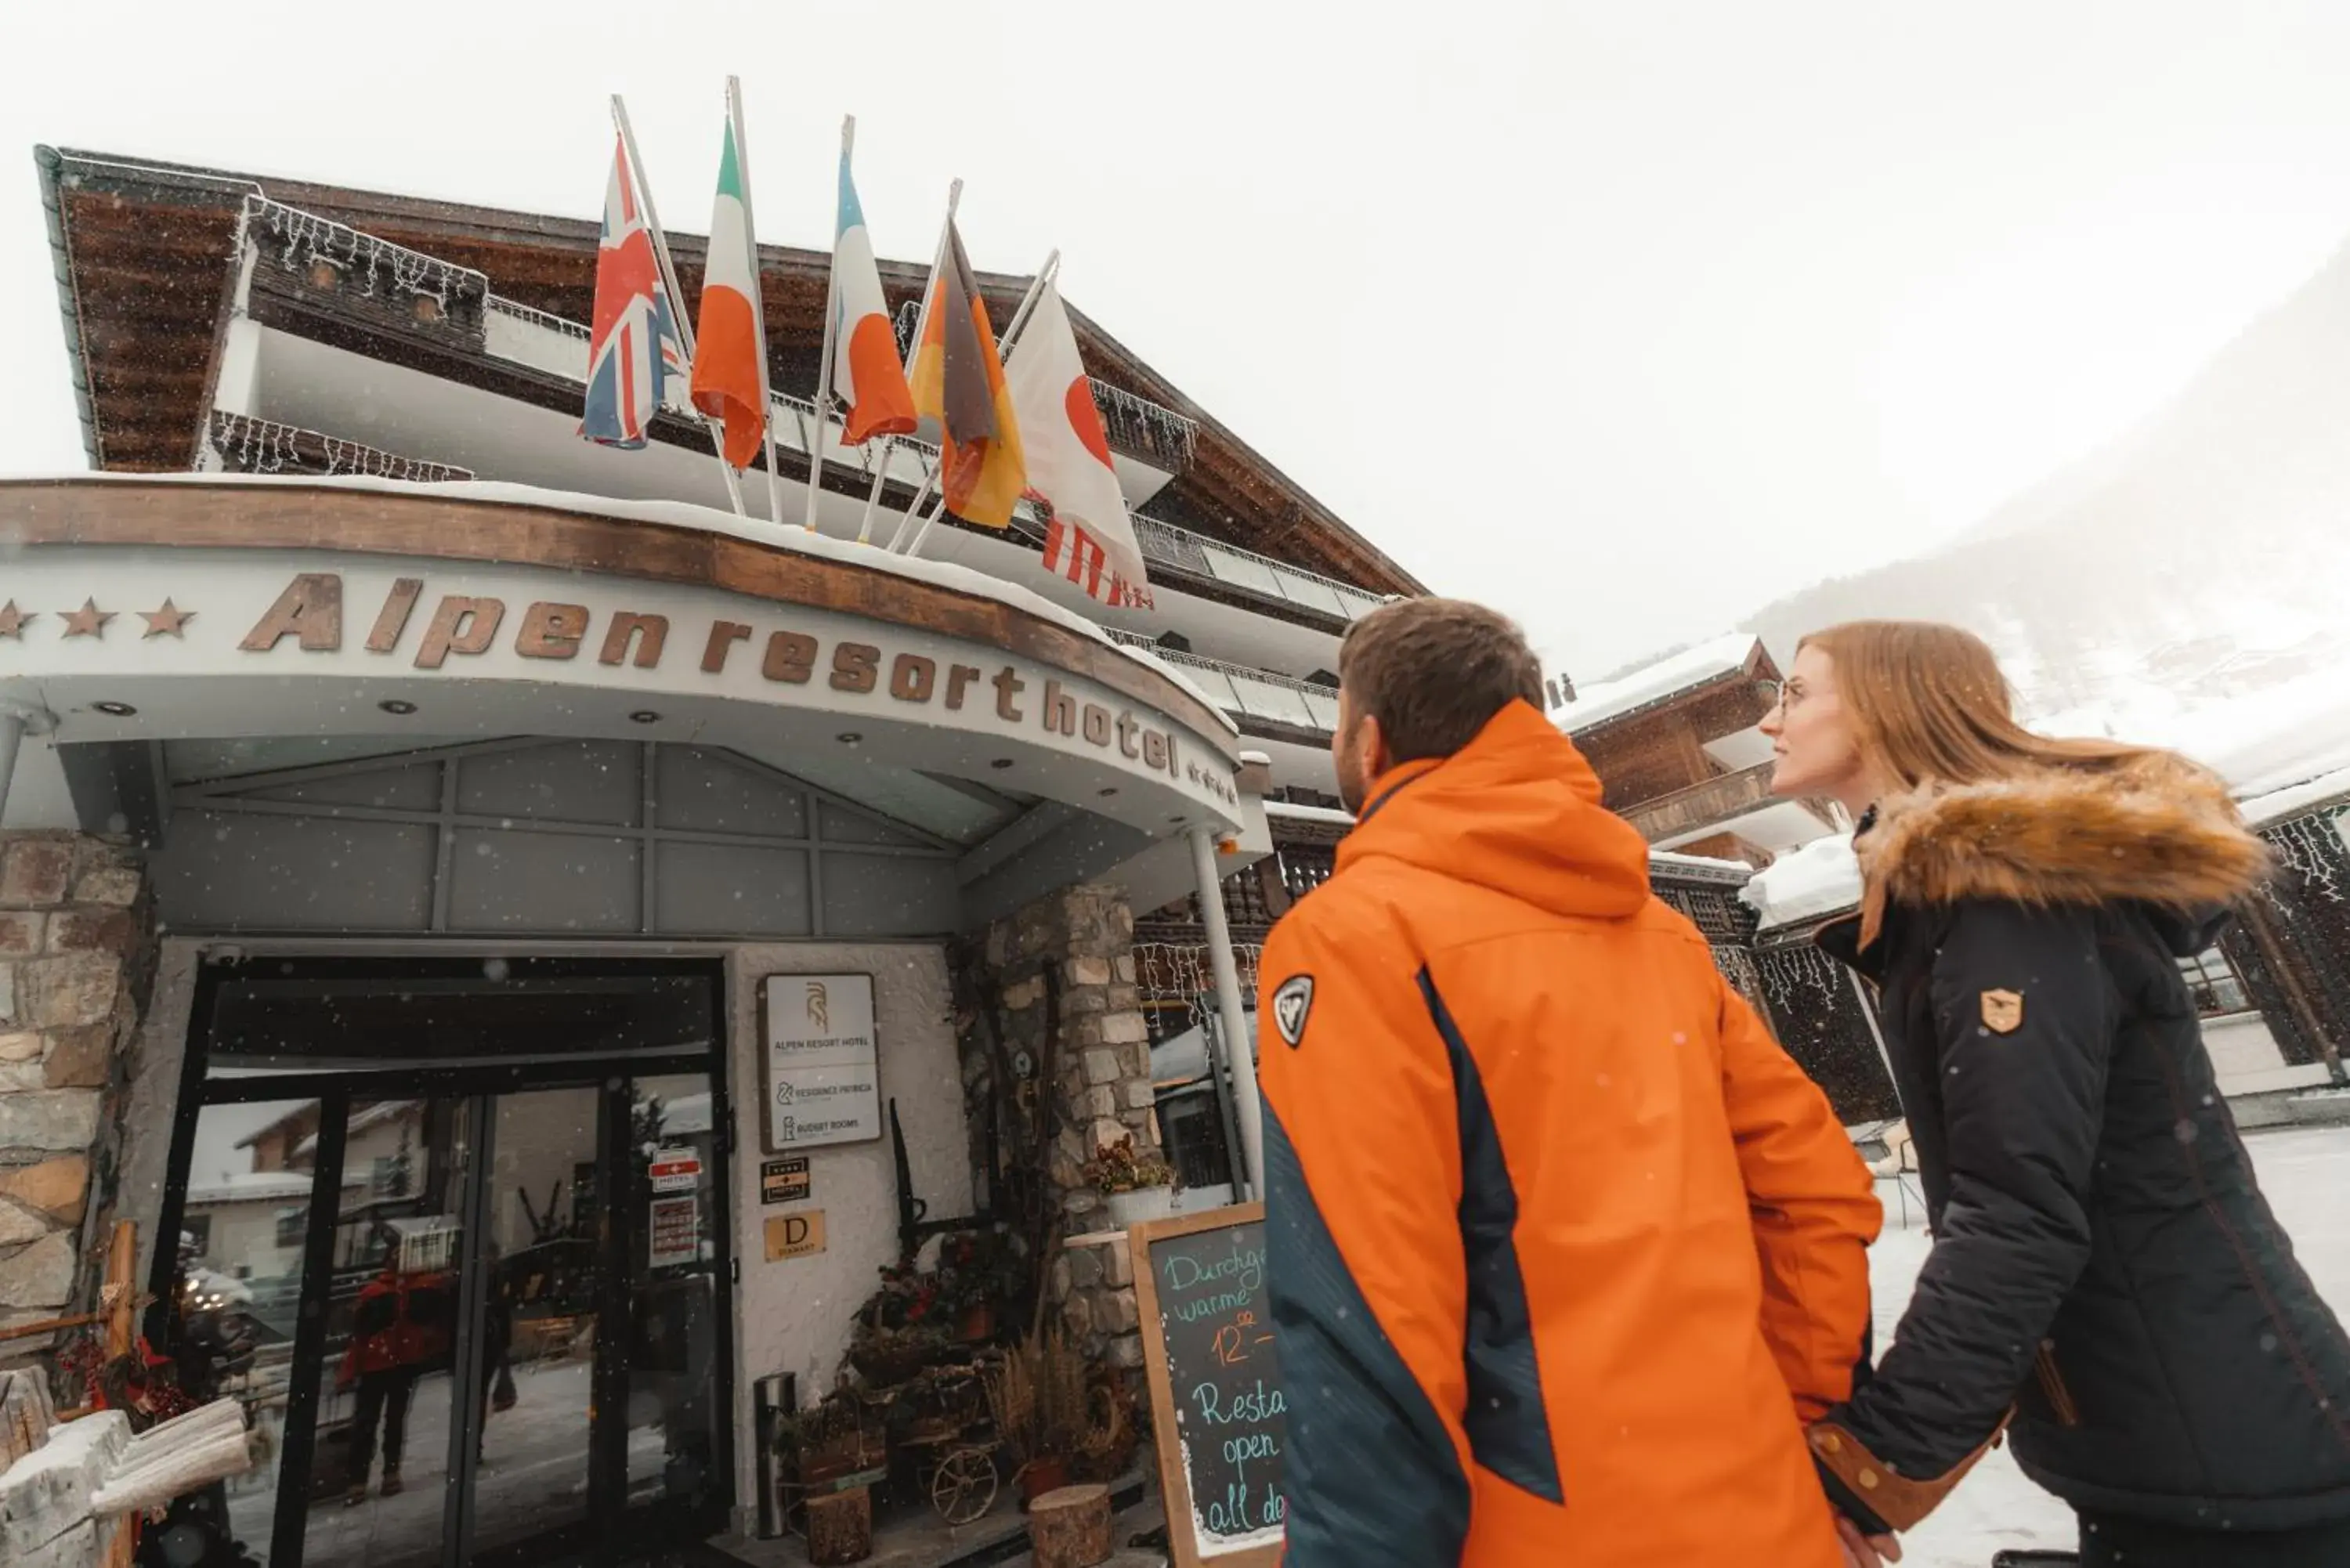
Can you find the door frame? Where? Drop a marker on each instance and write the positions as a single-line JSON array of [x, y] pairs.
[[613, 1525]]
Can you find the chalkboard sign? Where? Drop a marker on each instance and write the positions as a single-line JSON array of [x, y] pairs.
[[1215, 1384]]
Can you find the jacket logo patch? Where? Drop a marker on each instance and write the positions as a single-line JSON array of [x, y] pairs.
[[1291, 1003], [2002, 1010]]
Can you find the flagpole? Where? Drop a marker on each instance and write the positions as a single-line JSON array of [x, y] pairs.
[[758, 290], [684, 317], [922, 325], [1004, 348], [831, 315]]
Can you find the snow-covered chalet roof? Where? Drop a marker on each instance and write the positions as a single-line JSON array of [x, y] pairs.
[[260, 1186], [1691, 667]]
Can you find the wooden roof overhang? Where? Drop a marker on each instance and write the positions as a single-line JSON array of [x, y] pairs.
[[142, 254]]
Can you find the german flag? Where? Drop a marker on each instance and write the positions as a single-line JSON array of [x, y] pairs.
[[957, 381]]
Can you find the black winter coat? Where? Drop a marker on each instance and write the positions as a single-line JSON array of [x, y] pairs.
[[2103, 1258]]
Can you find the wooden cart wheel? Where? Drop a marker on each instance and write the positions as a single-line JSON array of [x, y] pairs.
[[963, 1489]]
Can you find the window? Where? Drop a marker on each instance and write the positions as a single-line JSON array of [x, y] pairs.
[[196, 1235], [389, 1177], [293, 1225], [2212, 980], [1193, 1127]]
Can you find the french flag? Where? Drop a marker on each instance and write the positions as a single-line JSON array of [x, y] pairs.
[[633, 347]]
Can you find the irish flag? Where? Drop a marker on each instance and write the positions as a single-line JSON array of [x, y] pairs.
[[1089, 538], [957, 381], [866, 374], [730, 357]]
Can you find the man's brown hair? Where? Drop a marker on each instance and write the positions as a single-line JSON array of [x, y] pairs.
[[1433, 672]]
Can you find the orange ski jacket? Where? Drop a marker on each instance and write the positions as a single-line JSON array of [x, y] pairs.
[[1563, 1249]]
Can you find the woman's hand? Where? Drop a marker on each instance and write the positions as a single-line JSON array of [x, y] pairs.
[[1865, 1551]]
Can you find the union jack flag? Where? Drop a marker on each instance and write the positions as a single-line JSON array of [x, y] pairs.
[[633, 346]]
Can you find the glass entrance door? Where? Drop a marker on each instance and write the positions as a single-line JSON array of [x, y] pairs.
[[483, 1306]]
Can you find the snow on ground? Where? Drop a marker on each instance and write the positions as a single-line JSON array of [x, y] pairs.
[[2305, 1171]]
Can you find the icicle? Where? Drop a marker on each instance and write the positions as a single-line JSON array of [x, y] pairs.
[[1179, 972], [2313, 848]]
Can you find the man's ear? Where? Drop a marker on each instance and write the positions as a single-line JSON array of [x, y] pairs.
[[1376, 757]]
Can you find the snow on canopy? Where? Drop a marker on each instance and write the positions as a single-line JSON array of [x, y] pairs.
[[944, 575]]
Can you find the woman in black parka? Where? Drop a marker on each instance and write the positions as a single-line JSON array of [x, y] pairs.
[[2104, 1271]]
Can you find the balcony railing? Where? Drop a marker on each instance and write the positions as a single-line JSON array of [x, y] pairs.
[[247, 445], [914, 459], [1137, 426], [1245, 569], [1142, 429], [1249, 693]]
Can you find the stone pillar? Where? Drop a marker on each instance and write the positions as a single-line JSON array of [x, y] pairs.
[[1060, 980], [74, 952]]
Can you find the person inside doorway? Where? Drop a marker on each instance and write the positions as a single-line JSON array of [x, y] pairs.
[[398, 1325]]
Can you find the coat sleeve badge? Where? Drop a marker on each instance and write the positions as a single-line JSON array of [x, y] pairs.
[[1291, 1003], [2002, 1010]]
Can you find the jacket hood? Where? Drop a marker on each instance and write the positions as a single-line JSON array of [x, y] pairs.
[[2157, 830], [1516, 810]]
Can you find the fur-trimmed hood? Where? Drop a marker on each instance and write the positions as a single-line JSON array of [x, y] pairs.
[[2155, 829]]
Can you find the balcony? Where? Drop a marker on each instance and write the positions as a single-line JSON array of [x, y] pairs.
[[328, 269], [1251, 696], [244, 445], [1246, 571], [321, 263]]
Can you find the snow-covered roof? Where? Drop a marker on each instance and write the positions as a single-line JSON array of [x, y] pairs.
[[944, 575], [1690, 667], [1321, 814], [1701, 863], [261, 1186], [1822, 878], [2324, 790]]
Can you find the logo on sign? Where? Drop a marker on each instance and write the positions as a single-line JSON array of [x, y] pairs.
[[794, 1235], [783, 1181], [820, 1010]]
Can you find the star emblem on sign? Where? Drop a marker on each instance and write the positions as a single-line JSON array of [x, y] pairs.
[[88, 621], [167, 620], [12, 620]]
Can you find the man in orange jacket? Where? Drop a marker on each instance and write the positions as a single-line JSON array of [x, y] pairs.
[[1563, 1250]]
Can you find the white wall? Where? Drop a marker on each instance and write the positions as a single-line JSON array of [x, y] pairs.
[[795, 1317], [245, 1233]]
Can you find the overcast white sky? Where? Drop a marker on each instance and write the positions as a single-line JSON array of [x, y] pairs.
[[1624, 316]]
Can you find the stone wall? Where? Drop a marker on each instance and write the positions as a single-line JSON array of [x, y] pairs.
[[74, 954], [1056, 1060]]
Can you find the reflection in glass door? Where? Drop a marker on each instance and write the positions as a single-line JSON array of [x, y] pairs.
[[239, 1284], [380, 1470], [479, 1268], [674, 1385], [534, 1375]]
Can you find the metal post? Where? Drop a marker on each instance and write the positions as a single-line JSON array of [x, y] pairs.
[[11, 735], [1229, 1011]]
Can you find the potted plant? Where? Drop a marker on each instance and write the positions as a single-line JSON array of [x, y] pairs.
[[1134, 1187], [1038, 1399]]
